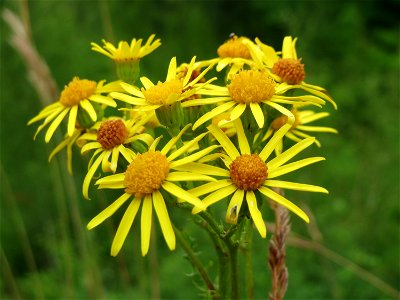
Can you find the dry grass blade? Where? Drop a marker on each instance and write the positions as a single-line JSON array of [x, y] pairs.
[[277, 252], [38, 72]]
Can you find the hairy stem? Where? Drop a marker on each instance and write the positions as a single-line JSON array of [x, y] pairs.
[[194, 260]]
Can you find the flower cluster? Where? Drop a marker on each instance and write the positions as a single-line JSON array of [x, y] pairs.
[[230, 125]]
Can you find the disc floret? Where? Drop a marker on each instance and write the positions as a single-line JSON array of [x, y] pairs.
[[146, 173], [248, 172], [112, 133], [161, 93], [290, 70], [76, 91], [251, 86]]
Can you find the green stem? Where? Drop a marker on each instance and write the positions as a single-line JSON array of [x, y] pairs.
[[246, 246], [234, 268], [223, 262], [224, 254], [194, 260]]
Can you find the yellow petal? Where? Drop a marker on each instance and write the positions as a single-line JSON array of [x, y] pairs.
[[146, 82], [224, 141], [288, 48], [89, 176], [88, 107], [111, 179], [182, 194], [114, 159], [214, 112], [258, 114], [52, 109], [144, 137], [105, 164], [108, 212], [185, 147], [283, 110], [125, 226], [163, 218], [237, 111], [173, 140], [242, 139], [217, 196], [289, 153], [103, 100], [316, 129], [193, 157], [55, 124], [128, 99], [284, 202], [145, 224], [232, 213], [200, 169], [293, 166], [72, 119], [90, 146], [204, 101], [188, 176], [276, 138], [171, 70], [127, 153], [132, 90], [295, 186], [209, 187], [256, 214], [305, 119]]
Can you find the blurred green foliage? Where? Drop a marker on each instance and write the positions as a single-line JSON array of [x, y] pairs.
[[352, 49]]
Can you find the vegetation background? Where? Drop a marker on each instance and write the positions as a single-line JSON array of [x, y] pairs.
[[351, 250]]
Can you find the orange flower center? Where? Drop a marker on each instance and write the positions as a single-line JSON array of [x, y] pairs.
[[234, 48], [164, 92], [248, 172], [76, 91], [251, 86], [146, 173], [290, 70], [112, 133]]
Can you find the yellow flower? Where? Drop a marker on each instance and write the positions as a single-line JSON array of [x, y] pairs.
[[299, 129], [235, 53], [147, 175], [173, 89], [248, 172], [76, 97], [248, 89], [286, 68], [108, 141], [126, 52]]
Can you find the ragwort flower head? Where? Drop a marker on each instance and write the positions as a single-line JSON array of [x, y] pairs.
[[249, 89], [78, 100], [147, 175], [126, 52], [110, 139], [285, 67], [247, 172], [165, 97], [173, 89]]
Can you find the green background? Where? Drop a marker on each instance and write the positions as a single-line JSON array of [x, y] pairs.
[[352, 49]]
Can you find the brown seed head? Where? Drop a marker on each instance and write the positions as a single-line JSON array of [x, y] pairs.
[[290, 70], [112, 133]]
